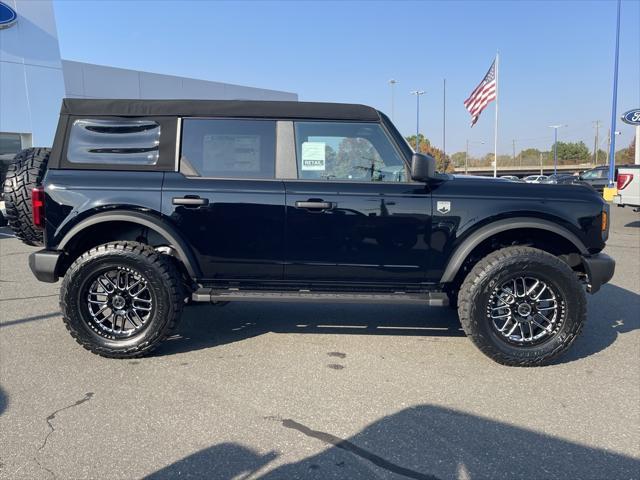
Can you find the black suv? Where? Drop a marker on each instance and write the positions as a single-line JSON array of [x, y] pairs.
[[145, 205]]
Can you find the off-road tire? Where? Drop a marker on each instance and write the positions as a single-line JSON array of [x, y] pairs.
[[475, 293], [163, 280], [24, 174]]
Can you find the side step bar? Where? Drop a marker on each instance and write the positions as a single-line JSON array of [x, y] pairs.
[[212, 295]]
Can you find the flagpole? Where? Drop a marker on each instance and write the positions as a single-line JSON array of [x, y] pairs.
[[495, 132]]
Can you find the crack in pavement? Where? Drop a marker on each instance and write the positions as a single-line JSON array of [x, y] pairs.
[[49, 419], [27, 298], [354, 449]]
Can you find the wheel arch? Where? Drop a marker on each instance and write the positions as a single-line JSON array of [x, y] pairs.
[[465, 249], [139, 219]]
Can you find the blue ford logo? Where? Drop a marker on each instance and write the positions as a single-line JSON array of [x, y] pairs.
[[8, 15], [632, 117]]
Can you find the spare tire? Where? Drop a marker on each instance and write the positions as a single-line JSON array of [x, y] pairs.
[[24, 174]]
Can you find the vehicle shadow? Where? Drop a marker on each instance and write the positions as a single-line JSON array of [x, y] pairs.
[[4, 401], [204, 326], [635, 223], [6, 232], [424, 442], [612, 312]]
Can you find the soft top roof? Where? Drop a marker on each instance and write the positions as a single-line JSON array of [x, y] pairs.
[[218, 108]]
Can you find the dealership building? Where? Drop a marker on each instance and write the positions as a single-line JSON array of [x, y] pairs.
[[34, 79]]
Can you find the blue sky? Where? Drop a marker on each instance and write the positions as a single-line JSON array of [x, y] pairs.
[[556, 57]]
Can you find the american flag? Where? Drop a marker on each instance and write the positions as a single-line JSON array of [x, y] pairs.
[[484, 93]]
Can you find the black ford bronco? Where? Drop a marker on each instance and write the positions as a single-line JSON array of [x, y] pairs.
[[143, 206]]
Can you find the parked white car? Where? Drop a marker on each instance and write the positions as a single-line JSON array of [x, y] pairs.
[[535, 179], [628, 186]]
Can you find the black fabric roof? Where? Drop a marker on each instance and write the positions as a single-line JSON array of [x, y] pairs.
[[218, 108]]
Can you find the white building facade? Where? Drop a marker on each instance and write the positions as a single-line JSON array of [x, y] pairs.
[[34, 79]]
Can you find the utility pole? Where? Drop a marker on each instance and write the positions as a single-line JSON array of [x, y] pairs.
[[596, 144], [514, 153], [417, 93], [541, 169], [466, 157], [466, 154], [555, 146], [392, 83], [444, 118]]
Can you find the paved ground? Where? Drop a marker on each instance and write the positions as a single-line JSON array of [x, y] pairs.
[[318, 391]]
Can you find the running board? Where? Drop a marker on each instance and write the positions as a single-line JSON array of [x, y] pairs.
[[212, 295]]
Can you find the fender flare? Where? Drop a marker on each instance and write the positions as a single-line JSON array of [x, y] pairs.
[[466, 247], [147, 220]]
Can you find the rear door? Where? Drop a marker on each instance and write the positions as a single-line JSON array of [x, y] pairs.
[[353, 217], [225, 199]]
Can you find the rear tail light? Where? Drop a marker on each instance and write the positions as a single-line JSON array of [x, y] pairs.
[[37, 202], [605, 221], [624, 179]]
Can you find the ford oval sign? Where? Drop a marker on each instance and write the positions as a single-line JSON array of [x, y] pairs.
[[632, 117], [8, 15]]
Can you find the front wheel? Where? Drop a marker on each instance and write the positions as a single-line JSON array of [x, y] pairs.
[[522, 306], [121, 299]]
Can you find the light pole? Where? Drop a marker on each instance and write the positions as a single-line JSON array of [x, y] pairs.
[[555, 146], [417, 93], [392, 83], [612, 147], [466, 154]]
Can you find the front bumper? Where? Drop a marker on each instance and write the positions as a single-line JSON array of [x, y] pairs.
[[44, 265], [599, 268]]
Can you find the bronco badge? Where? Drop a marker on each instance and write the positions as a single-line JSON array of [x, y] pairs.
[[443, 207]]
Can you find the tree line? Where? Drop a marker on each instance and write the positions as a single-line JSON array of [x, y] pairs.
[[569, 153]]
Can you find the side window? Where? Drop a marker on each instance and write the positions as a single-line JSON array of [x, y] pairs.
[[114, 142], [347, 151], [228, 148]]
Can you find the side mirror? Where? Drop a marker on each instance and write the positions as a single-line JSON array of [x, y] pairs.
[[423, 167]]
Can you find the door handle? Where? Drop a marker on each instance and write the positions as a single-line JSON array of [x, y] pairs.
[[190, 201], [315, 205]]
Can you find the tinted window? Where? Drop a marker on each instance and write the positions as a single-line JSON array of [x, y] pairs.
[[347, 151], [114, 141], [593, 174], [229, 148]]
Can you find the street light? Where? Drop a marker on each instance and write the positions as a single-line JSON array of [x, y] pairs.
[[466, 154], [417, 93], [392, 83], [555, 146]]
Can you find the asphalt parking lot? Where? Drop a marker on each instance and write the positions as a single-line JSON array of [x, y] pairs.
[[318, 391]]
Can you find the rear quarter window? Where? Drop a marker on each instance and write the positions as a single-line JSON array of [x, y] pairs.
[[134, 142]]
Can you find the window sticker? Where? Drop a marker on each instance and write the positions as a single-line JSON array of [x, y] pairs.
[[239, 153], [313, 156]]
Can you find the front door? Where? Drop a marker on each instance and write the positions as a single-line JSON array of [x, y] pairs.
[[226, 200], [352, 214]]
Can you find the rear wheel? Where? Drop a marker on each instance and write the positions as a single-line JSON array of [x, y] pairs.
[[522, 306], [24, 174], [121, 299]]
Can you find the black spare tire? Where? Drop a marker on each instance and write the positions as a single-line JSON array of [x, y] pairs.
[[24, 174]]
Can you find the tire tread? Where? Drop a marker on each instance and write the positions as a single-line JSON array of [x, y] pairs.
[[25, 173], [170, 278], [481, 271]]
